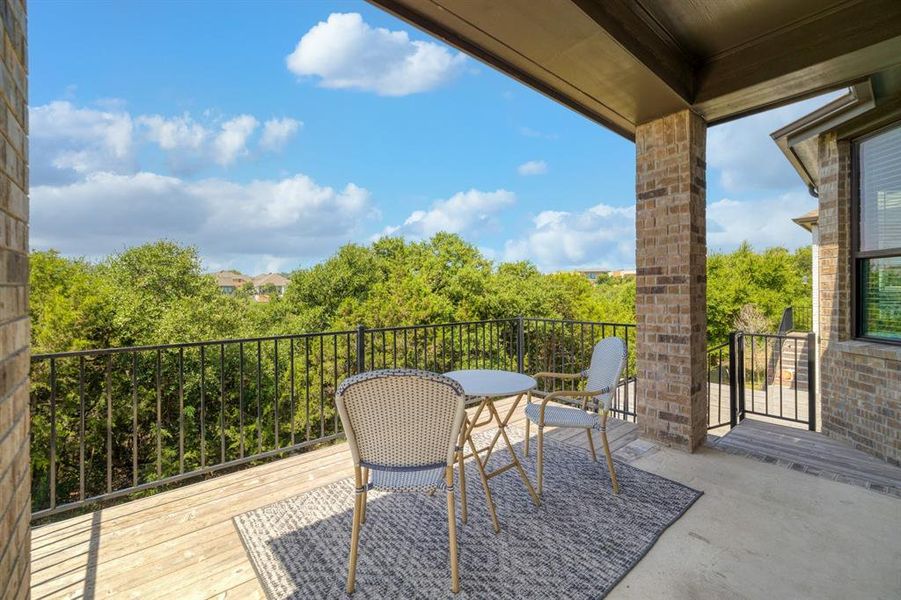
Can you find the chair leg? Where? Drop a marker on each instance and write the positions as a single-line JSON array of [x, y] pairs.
[[594, 455], [355, 532], [462, 466], [365, 495], [613, 482], [540, 465], [452, 529], [527, 436]]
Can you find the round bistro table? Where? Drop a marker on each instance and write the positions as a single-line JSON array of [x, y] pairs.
[[486, 385]]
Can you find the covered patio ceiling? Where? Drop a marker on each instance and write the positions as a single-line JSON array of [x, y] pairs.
[[623, 63]]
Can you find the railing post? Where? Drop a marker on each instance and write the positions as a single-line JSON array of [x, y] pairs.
[[520, 345], [811, 381], [361, 348], [740, 373], [733, 380]]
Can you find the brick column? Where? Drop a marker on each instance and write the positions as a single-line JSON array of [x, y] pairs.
[[834, 229], [671, 284], [15, 472]]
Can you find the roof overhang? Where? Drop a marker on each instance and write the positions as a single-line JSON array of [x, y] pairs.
[[623, 63], [808, 221], [869, 104], [797, 140]]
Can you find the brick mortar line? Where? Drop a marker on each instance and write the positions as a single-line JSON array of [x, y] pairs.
[[15, 423], [25, 509], [15, 84], [18, 455], [14, 216], [3, 362], [16, 320], [26, 477], [9, 141]]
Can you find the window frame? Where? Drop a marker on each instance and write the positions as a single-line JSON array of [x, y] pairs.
[[856, 254]]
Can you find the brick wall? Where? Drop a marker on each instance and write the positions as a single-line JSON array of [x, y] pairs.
[[15, 481], [860, 382], [671, 293]]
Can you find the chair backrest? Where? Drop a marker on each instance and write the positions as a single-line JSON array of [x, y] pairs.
[[607, 361], [396, 418]]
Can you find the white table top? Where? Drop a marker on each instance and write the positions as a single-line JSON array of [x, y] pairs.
[[490, 383]]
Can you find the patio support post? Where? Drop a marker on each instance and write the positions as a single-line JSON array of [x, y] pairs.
[[671, 292]]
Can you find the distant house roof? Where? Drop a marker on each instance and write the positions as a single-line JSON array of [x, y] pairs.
[[808, 220], [275, 279], [233, 279]]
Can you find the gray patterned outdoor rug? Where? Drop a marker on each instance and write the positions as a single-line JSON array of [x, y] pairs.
[[578, 544]]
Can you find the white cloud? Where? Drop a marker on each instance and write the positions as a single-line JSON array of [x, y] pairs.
[[763, 223], [277, 132], [175, 133], [291, 217], [532, 167], [602, 236], [467, 213], [346, 53], [67, 141], [742, 153], [231, 141]]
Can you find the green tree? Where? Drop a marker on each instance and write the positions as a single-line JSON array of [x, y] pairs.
[[771, 281], [71, 307]]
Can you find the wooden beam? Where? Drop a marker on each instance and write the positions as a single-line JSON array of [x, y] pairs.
[[643, 37]]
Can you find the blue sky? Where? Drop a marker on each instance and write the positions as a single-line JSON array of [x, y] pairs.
[[268, 134]]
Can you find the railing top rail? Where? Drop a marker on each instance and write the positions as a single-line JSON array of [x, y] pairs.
[[175, 346], [578, 322], [436, 325], [293, 336], [719, 347], [776, 336]]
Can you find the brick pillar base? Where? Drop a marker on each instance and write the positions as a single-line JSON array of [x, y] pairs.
[[671, 288]]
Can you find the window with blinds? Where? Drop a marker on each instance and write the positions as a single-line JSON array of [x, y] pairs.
[[878, 254]]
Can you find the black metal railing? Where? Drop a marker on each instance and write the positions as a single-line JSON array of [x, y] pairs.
[[777, 376], [115, 422], [566, 346], [770, 375], [719, 371], [796, 318]]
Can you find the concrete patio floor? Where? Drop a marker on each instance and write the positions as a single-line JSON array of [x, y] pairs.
[[764, 532]]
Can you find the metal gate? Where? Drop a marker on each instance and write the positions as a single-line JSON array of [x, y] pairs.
[[771, 375]]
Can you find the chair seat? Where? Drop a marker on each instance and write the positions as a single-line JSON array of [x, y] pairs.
[[408, 480], [563, 416]]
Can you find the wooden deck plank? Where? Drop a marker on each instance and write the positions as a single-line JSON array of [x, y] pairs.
[[196, 509], [811, 452], [249, 590], [183, 542], [812, 446], [132, 508]]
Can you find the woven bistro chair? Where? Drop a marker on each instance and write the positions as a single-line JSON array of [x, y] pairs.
[[607, 360], [402, 427]]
